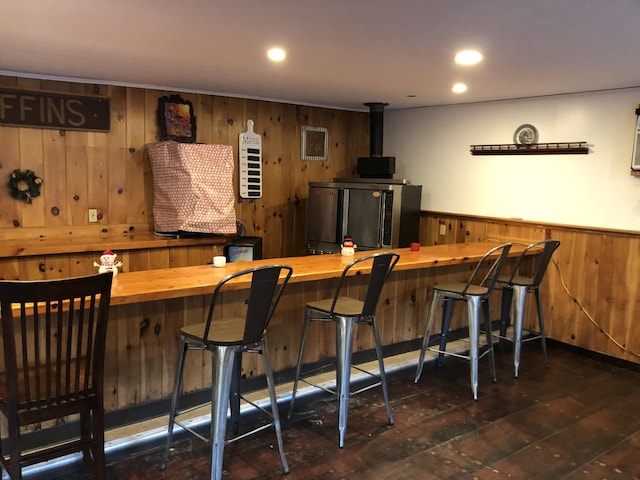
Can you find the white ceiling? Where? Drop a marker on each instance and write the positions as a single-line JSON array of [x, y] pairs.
[[341, 53]]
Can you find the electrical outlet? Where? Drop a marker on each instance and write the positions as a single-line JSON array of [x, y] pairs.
[[443, 229], [93, 215]]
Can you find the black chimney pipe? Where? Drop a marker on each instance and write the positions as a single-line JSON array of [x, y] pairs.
[[376, 126], [375, 165]]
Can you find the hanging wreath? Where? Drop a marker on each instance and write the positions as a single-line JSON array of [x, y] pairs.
[[24, 185]]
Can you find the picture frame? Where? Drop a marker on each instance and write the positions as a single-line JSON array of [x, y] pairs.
[[176, 119], [315, 143]]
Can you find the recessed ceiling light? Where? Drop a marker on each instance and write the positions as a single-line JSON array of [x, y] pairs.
[[459, 88], [276, 54], [468, 57]]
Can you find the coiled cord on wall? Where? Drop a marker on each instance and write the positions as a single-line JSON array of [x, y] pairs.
[[589, 316]]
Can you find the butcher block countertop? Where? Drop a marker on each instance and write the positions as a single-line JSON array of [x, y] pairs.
[[150, 285]]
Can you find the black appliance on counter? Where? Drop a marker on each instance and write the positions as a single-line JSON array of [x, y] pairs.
[[375, 210], [375, 214], [244, 249]]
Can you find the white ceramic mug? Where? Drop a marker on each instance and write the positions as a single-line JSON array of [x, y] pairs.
[[219, 261]]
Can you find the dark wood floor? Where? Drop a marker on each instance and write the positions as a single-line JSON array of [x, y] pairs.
[[577, 419]]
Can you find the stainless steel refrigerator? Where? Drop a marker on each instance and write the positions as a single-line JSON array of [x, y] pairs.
[[375, 213]]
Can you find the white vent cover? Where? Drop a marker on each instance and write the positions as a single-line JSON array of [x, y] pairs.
[[250, 168]]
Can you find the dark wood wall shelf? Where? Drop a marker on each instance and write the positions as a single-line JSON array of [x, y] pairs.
[[555, 148]]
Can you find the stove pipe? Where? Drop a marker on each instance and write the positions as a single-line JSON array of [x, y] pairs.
[[376, 166], [376, 127]]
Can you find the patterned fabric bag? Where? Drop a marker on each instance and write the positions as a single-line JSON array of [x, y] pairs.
[[192, 188]]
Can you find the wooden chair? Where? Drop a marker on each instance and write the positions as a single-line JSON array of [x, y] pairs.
[[53, 335]]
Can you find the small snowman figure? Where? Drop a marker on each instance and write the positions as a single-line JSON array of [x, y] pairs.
[[348, 247], [108, 263]]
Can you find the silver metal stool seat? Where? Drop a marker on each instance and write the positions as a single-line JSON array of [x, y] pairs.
[[515, 287], [225, 338], [346, 312], [475, 293]]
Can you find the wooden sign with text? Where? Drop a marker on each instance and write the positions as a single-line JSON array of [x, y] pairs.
[[22, 108]]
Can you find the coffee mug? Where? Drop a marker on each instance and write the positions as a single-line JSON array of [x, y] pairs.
[[219, 261], [415, 247]]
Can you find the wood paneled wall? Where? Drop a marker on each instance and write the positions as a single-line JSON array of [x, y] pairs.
[[591, 298], [111, 172]]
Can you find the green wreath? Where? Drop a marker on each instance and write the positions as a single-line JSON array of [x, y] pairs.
[[17, 182]]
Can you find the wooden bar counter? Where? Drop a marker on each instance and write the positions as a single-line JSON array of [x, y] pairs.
[[150, 307], [149, 285]]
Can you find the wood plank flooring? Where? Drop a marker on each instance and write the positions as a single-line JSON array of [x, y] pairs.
[[577, 419]]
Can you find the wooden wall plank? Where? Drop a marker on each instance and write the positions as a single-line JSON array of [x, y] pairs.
[[113, 364], [116, 211], [54, 175], [128, 357], [219, 123], [12, 210], [172, 322], [9, 269], [137, 124], [77, 174], [97, 173], [631, 299], [204, 119], [151, 352], [32, 268], [31, 158]]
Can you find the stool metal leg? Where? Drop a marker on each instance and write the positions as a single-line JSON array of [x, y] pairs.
[[234, 396], [505, 314], [541, 326], [487, 326], [222, 360], [303, 341], [174, 401], [519, 297], [433, 309], [274, 403], [447, 313], [344, 345], [383, 375], [473, 311]]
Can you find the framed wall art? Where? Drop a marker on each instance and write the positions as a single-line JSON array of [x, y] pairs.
[[315, 143], [176, 119]]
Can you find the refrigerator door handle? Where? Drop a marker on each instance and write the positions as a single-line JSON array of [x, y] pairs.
[[343, 215]]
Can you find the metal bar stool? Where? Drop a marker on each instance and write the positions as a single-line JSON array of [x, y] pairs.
[[224, 338], [514, 294], [475, 293], [346, 312]]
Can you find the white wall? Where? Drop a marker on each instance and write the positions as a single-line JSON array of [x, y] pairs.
[[431, 146]]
